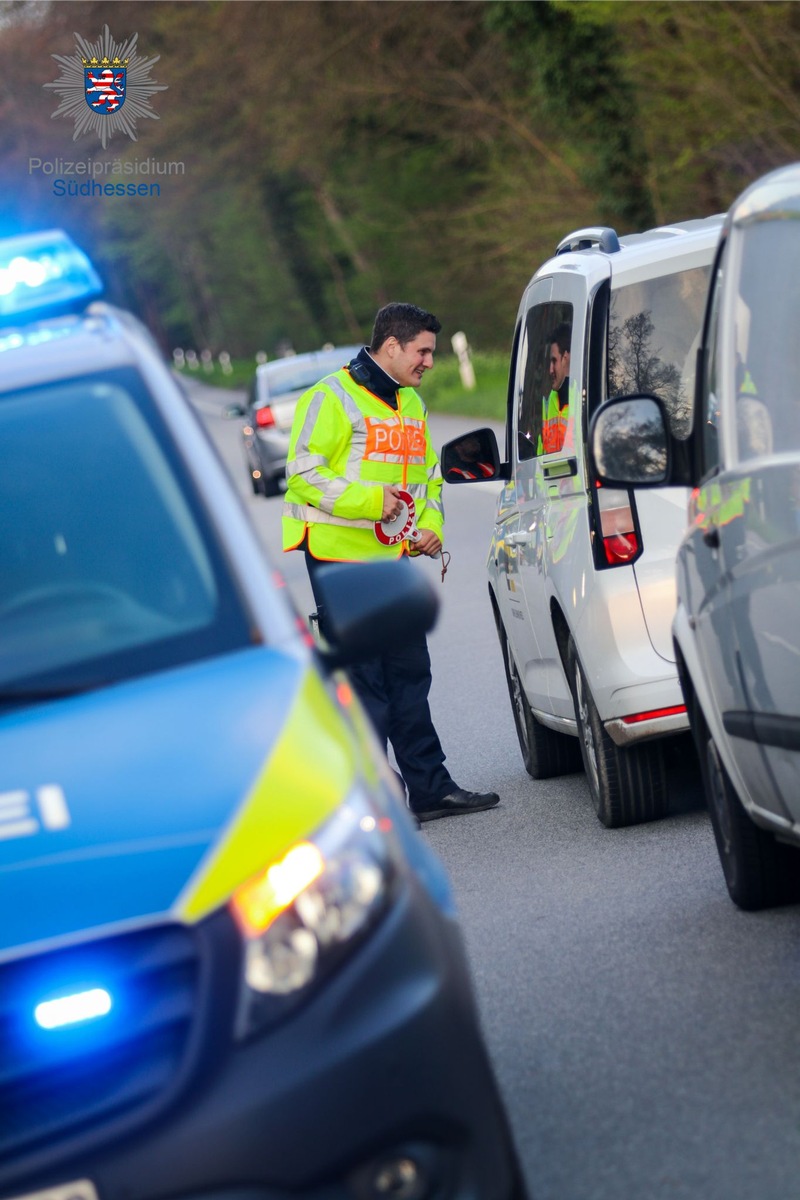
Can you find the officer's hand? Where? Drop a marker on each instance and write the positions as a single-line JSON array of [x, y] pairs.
[[391, 503], [429, 543]]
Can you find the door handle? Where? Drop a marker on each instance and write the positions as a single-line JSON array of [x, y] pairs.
[[562, 468]]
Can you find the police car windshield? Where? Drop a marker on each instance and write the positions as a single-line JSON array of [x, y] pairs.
[[110, 569]]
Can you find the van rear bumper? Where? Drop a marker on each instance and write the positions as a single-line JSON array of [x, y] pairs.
[[626, 732]]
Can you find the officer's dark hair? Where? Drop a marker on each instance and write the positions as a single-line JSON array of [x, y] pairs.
[[562, 336], [402, 321]]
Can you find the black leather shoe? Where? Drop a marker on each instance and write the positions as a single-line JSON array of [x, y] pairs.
[[457, 803]]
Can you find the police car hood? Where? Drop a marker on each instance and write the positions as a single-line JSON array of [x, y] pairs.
[[110, 800]]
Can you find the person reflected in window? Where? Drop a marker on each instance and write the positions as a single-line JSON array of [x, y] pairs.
[[556, 428], [471, 463], [753, 425]]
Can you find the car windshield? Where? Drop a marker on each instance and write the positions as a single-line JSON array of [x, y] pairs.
[[296, 374], [110, 569], [765, 341], [653, 334]]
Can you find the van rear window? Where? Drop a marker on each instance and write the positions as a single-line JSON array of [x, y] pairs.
[[653, 335]]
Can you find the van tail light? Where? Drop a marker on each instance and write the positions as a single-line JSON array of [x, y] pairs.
[[265, 417], [617, 525], [653, 714]]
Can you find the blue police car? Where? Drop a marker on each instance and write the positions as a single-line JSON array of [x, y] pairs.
[[229, 965]]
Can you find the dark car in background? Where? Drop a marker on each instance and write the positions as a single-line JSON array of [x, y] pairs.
[[736, 628], [271, 400]]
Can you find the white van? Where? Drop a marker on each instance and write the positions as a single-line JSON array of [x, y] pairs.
[[581, 577]]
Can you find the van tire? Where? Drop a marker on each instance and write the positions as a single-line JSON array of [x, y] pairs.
[[759, 871], [628, 784], [545, 752]]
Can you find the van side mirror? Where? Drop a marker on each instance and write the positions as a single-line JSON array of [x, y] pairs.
[[471, 457], [629, 441]]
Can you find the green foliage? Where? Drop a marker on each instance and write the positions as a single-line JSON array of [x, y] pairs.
[[444, 392], [574, 65], [338, 156], [717, 89], [237, 378]]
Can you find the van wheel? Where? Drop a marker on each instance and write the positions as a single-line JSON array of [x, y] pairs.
[[759, 871], [545, 752], [628, 784]]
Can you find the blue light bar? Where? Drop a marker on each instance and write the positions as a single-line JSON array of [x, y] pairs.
[[44, 271], [69, 1010]]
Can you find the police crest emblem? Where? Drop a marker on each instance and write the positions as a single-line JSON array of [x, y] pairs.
[[105, 87]]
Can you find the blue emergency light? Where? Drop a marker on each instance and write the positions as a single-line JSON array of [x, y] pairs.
[[72, 1009], [43, 272]]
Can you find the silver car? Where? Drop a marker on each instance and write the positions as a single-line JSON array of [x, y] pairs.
[[271, 400], [581, 577], [736, 627]]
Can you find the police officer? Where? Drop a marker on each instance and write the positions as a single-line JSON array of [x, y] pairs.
[[556, 431], [358, 436]]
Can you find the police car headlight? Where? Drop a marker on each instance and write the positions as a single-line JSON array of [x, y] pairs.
[[304, 912]]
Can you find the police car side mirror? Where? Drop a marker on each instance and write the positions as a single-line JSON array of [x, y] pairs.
[[471, 457], [630, 443], [369, 608]]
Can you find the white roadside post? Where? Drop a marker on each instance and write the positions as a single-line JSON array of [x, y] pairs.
[[465, 368]]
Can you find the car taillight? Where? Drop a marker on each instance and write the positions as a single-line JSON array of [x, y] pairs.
[[617, 525], [264, 417], [653, 714]]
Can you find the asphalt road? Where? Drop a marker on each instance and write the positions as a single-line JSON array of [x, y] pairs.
[[644, 1031]]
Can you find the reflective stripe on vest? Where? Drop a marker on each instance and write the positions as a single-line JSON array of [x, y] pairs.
[[478, 470]]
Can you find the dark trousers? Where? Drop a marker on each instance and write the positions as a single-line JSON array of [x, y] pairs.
[[394, 690]]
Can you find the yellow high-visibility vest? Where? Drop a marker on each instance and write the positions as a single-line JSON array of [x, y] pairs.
[[556, 430], [346, 445]]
